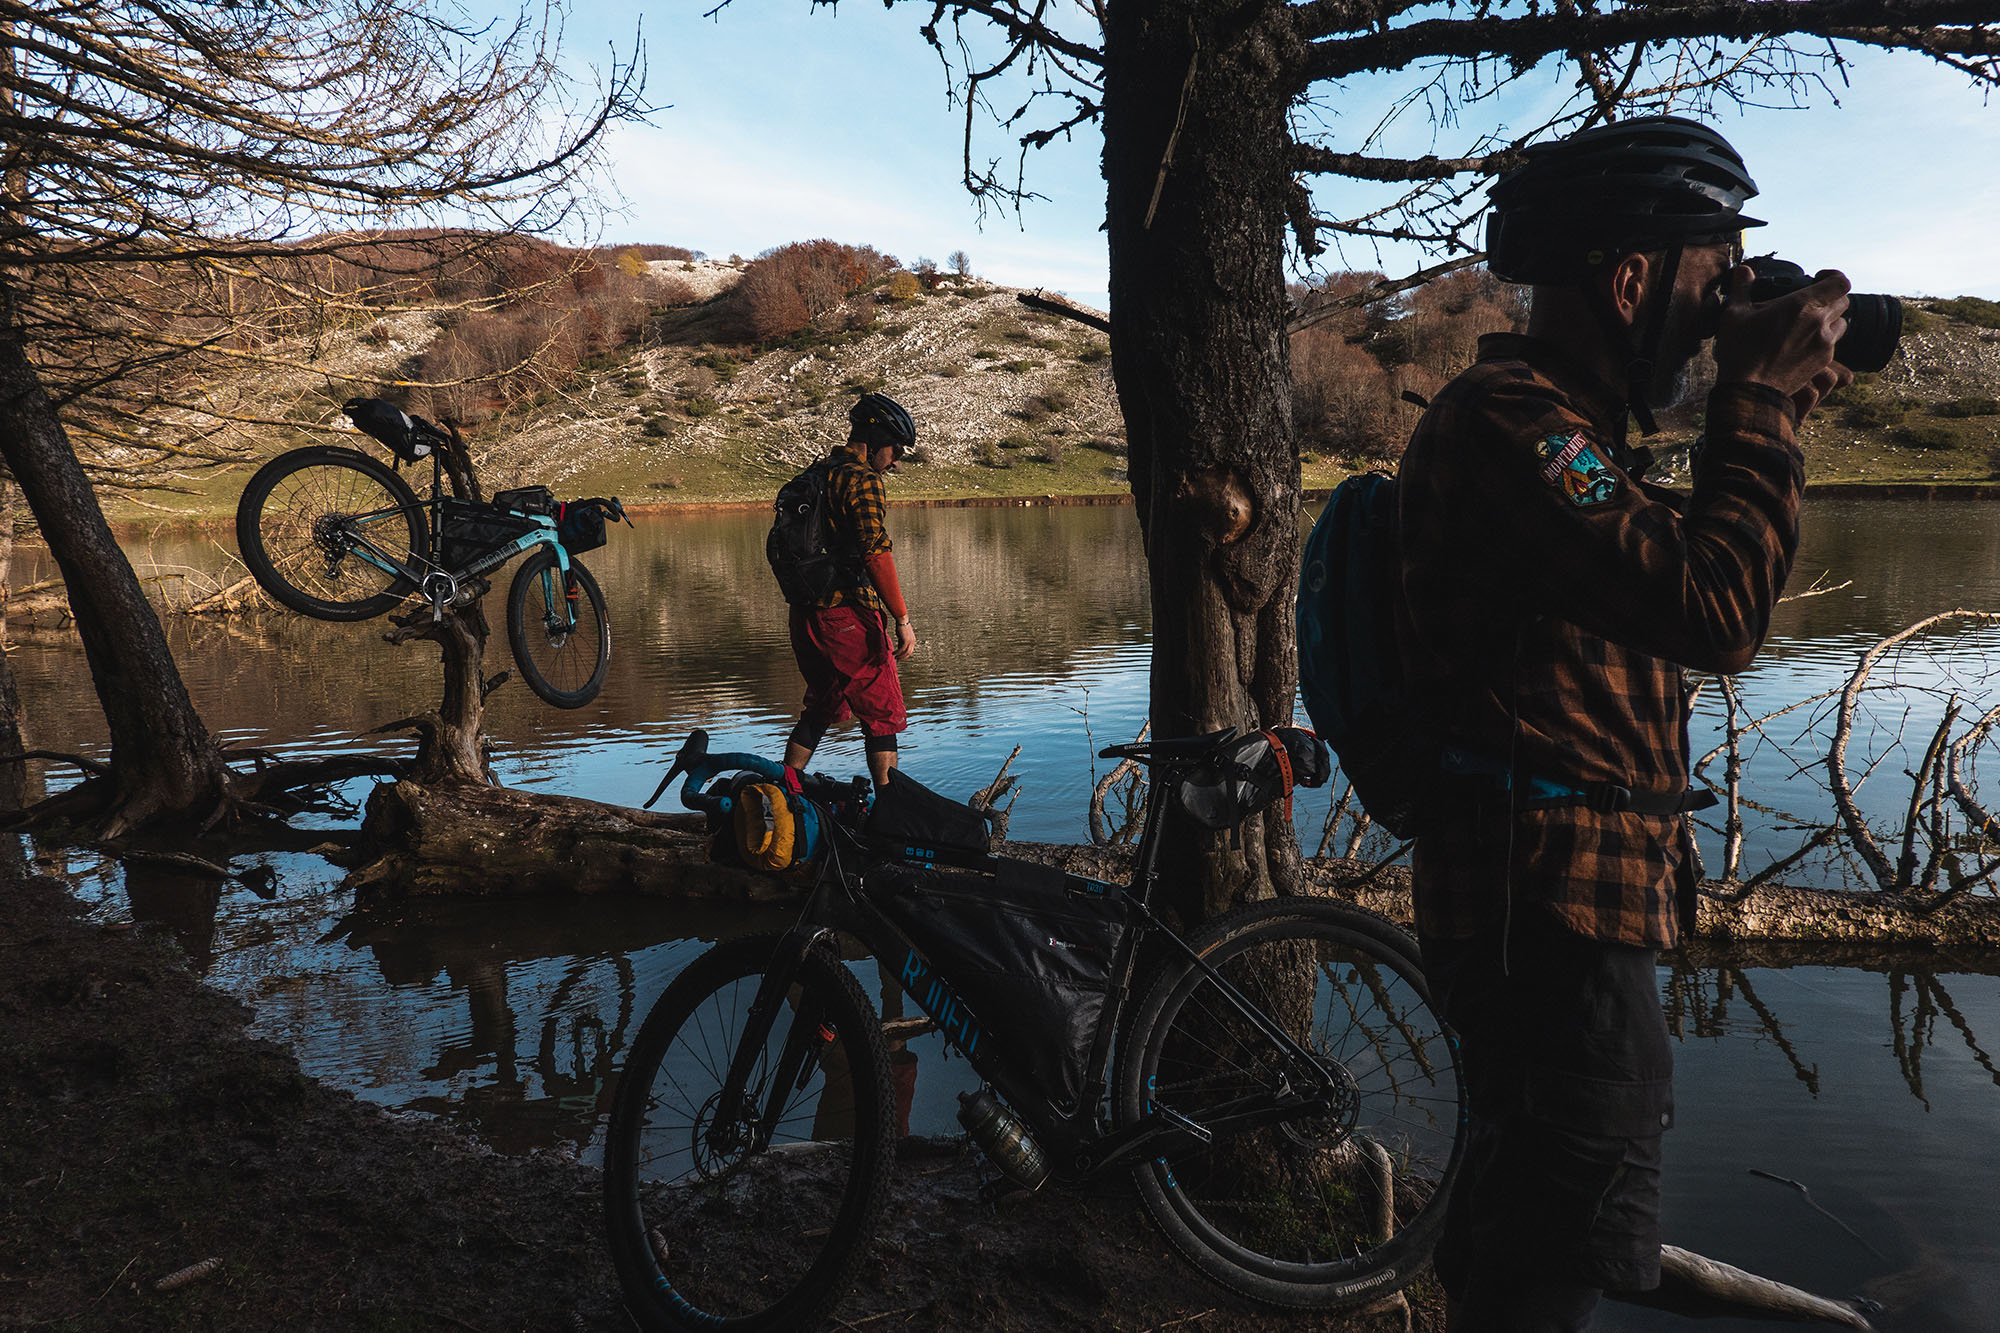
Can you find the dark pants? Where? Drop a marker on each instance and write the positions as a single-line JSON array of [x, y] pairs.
[[1569, 1075]]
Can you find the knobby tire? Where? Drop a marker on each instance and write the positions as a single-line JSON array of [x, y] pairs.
[[293, 523], [752, 1241], [565, 668], [1318, 1212]]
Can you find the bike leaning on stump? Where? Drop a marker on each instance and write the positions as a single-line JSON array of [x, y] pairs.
[[335, 534]]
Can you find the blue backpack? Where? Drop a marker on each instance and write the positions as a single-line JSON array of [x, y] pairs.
[[1350, 671]]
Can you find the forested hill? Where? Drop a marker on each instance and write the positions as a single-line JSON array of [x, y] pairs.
[[659, 374]]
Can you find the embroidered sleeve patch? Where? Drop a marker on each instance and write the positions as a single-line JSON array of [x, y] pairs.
[[1573, 465]]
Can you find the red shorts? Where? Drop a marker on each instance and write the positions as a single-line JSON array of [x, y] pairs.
[[844, 653]]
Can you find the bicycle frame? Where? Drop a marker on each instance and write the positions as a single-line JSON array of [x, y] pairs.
[[1081, 1143], [430, 561]]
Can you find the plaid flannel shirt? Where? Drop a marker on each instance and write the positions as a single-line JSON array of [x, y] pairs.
[[1550, 593], [855, 512]]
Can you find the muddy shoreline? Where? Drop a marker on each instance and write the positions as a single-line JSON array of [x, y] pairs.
[[144, 1133]]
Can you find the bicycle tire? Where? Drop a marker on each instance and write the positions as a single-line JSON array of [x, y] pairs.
[[565, 668], [1295, 1215], [757, 1241], [293, 520]]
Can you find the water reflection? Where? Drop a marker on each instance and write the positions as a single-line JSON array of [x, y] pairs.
[[1871, 1082]]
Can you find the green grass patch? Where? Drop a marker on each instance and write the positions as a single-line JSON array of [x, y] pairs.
[[1976, 310]]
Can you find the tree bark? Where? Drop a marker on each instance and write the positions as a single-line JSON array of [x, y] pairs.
[[163, 763], [1198, 187]]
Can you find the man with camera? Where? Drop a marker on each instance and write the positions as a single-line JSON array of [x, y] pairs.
[[1553, 597]]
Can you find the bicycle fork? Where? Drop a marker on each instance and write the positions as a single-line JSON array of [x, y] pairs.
[[803, 1042]]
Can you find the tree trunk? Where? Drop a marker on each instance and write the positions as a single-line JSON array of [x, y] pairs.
[[1198, 186], [163, 763]]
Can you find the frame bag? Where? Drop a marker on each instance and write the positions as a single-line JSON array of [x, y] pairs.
[[1027, 948]]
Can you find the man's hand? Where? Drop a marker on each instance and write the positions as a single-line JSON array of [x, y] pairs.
[[906, 640], [1788, 343]]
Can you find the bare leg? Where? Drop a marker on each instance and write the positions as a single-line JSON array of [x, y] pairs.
[[798, 756], [879, 764]]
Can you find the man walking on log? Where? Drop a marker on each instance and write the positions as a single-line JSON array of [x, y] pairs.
[[1553, 596], [835, 565]]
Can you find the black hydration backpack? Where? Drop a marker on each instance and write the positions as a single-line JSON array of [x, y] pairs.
[[1351, 674], [798, 549]]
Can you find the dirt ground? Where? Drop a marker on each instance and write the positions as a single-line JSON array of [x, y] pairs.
[[143, 1132]]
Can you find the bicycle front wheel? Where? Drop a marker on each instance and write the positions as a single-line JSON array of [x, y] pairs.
[[558, 630], [1319, 1210], [318, 527], [712, 1228]]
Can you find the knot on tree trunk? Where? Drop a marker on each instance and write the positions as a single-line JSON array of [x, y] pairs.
[[1220, 503]]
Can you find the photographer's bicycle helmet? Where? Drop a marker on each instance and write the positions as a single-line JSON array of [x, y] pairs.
[[1652, 182], [1578, 205], [880, 420]]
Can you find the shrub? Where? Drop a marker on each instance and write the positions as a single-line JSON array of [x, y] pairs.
[[1052, 452], [1020, 367], [1970, 310], [655, 427], [701, 407], [951, 370], [1967, 407], [1016, 440], [1093, 353], [990, 455], [916, 453], [902, 285], [378, 333], [786, 288], [1878, 412], [1940, 435]]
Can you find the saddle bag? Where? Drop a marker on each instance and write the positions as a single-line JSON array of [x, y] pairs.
[[1252, 773], [1017, 956]]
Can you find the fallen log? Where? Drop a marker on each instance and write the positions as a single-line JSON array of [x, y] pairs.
[[433, 839], [471, 840], [1696, 1287]]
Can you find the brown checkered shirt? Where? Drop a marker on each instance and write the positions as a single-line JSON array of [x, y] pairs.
[[1550, 594], [855, 512]]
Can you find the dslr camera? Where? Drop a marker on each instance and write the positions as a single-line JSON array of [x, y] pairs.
[[1874, 323]]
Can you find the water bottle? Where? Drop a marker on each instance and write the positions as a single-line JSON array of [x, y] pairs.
[[1003, 1138]]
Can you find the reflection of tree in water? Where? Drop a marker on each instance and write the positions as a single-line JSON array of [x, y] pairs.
[[1697, 999], [1912, 1039]]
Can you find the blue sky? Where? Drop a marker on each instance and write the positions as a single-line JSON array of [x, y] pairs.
[[787, 123]]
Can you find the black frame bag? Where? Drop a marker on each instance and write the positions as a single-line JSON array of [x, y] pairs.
[[1026, 947], [924, 824]]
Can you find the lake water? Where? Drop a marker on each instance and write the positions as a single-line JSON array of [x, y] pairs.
[[1872, 1086]]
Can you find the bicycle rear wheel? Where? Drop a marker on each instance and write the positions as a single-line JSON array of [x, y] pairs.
[[707, 1231], [306, 517], [1317, 1211], [559, 632]]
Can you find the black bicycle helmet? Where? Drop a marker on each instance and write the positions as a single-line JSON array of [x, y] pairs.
[[878, 419], [1633, 185]]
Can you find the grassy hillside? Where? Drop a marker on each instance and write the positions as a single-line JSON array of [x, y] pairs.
[[1009, 402]]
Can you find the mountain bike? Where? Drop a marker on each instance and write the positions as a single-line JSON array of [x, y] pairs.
[[1281, 1093], [334, 534]]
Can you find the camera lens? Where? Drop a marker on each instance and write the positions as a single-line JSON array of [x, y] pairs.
[[1874, 322]]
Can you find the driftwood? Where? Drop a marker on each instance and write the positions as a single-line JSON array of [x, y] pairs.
[[472, 840], [1700, 1288], [465, 839]]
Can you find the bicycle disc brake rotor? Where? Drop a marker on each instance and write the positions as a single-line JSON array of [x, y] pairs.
[[719, 1149], [1335, 1125], [330, 535]]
